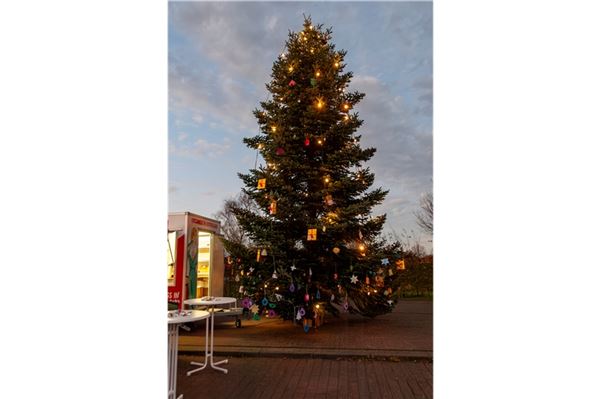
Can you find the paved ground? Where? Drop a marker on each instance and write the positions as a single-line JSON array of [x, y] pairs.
[[407, 332], [348, 357], [265, 378]]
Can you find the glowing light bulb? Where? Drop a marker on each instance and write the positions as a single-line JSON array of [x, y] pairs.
[[265, 286], [346, 106], [317, 306], [291, 68], [319, 141], [312, 51], [327, 179], [276, 288], [318, 74], [337, 64], [260, 146], [361, 247], [320, 104], [274, 128], [346, 117]]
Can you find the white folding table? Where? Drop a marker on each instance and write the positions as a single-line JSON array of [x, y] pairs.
[[208, 354], [176, 318]]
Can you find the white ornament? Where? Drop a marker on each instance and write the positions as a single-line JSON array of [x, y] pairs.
[[354, 279]]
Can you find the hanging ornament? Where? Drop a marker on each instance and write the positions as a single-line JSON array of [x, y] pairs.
[[335, 276], [309, 271], [292, 287], [272, 313], [367, 281], [278, 297], [274, 275], [298, 316], [241, 290], [354, 279], [273, 207], [313, 81], [263, 252], [251, 270], [301, 312], [390, 302], [400, 264], [258, 256], [306, 328], [306, 142], [237, 278], [246, 302], [329, 200], [272, 305], [379, 280], [292, 83], [306, 297], [312, 235], [318, 294], [265, 301], [256, 317], [262, 184], [279, 151], [336, 250], [346, 304], [390, 271], [332, 297], [254, 308], [385, 261], [293, 267]]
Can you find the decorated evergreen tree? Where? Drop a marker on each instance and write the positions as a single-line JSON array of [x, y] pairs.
[[316, 246]]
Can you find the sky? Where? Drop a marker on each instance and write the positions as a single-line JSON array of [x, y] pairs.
[[220, 57]]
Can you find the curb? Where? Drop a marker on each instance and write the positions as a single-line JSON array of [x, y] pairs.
[[313, 353]]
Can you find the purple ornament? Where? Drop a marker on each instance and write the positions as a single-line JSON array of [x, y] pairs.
[[292, 288]]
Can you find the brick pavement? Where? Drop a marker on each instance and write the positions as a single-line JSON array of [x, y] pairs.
[[347, 357], [264, 378]]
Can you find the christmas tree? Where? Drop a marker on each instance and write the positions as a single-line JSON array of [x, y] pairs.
[[316, 246]]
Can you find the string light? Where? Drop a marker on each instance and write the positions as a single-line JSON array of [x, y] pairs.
[[326, 179], [260, 146], [318, 74], [346, 106], [319, 141], [319, 104], [274, 128], [337, 64], [361, 247], [346, 117], [291, 68]]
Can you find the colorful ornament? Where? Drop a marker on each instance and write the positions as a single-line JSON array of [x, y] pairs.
[[329, 200], [354, 279], [263, 252], [306, 297], [273, 207], [336, 250], [256, 316], [262, 184], [306, 142], [301, 312], [306, 328], [367, 281], [250, 270], [279, 151], [313, 81], [312, 235], [265, 301], [237, 278], [298, 316], [241, 290], [292, 83], [400, 264], [385, 261], [390, 271], [292, 288], [318, 295], [335, 276], [272, 305], [293, 267], [274, 275], [254, 308], [272, 313], [332, 297], [247, 302]]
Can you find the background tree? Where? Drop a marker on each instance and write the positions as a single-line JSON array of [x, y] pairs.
[[316, 244], [425, 215]]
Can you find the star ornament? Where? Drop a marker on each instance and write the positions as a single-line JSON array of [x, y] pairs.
[[251, 269], [385, 261], [390, 302], [354, 279], [293, 267], [254, 308]]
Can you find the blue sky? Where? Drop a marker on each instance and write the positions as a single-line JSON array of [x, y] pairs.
[[220, 57]]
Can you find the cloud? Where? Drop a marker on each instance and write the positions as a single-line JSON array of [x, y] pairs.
[[201, 148]]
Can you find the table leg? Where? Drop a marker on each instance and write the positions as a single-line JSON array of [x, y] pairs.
[[173, 339], [208, 355]]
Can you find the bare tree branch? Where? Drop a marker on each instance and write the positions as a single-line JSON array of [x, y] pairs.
[[425, 215]]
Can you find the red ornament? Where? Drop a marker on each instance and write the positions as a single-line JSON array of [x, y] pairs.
[[335, 276], [280, 151], [306, 297], [306, 142], [292, 83]]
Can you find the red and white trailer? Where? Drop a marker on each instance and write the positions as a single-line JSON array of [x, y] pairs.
[[195, 257]]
